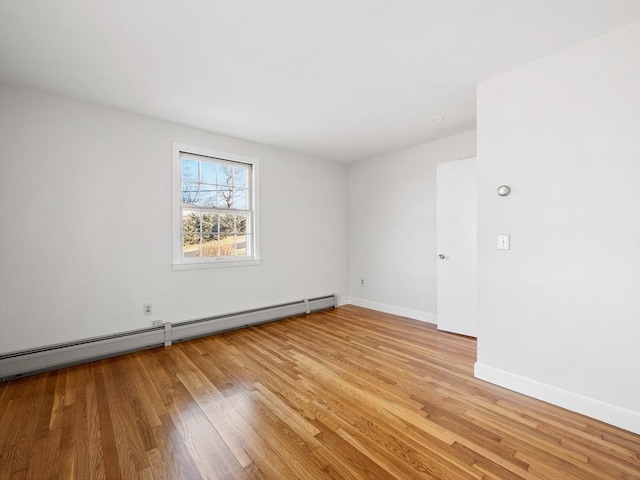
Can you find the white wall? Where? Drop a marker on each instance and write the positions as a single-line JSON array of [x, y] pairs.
[[392, 227], [85, 212], [559, 314]]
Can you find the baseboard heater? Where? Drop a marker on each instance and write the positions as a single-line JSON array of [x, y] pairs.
[[37, 360]]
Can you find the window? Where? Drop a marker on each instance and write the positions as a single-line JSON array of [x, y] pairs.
[[215, 209]]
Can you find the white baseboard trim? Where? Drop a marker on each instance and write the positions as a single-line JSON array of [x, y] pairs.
[[343, 301], [605, 412], [400, 311]]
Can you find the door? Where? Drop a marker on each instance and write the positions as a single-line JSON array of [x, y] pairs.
[[457, 247]]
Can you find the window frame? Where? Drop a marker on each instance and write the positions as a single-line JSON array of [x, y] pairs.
[[181, 263]]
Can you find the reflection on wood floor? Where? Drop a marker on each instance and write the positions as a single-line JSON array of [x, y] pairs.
[[344, 394]]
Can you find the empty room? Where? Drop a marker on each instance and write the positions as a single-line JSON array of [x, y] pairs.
[[320, 239]]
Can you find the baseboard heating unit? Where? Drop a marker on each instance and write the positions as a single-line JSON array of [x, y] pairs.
[[37, 360]]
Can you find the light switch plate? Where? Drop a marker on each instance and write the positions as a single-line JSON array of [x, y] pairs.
[[504, 242]]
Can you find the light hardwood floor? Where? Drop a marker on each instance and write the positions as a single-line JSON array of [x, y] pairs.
[[344, 394]]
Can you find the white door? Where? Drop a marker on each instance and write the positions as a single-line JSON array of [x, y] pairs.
[[457, 247]]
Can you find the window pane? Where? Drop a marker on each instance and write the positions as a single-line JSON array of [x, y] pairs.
[[227, 223], [210, 245], [190, 233], [191, 221], [225, 173], [240, 175], [209, 223], [241, 223], [190, 193], [206, 197], [225, 198], [191, 251], [189, 170], [242, 242], [208, 172], [227, 247], [240, 199]]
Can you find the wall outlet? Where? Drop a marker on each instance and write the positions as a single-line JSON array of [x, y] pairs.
[[362, 282], [157, 323], [147, 309], [504, 242]]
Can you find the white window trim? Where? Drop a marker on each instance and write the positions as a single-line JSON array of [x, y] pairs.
[[178, 263]]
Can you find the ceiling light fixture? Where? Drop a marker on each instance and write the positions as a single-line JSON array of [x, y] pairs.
[[434, 119]]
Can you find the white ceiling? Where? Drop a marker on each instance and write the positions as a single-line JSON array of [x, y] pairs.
[[344, 80]]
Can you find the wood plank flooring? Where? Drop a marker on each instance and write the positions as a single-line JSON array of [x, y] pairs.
[[344, 394]]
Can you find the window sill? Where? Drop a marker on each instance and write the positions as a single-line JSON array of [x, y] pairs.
[[176, 267]]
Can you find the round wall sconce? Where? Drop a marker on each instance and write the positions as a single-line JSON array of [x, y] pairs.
[[504, 190]]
